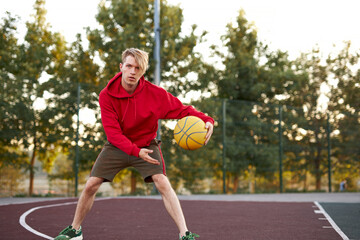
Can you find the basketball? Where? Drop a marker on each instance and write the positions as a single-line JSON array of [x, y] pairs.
[[190, 132]]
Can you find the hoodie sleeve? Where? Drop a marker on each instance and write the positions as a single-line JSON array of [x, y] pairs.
[[112, 127], [176, 110]]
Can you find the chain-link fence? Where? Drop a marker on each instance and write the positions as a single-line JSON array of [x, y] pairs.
[[259, 147], [255, 147]]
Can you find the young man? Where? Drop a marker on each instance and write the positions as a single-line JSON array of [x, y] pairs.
[[130, 110]]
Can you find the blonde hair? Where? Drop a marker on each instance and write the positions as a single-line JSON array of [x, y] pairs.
[[141, 57]]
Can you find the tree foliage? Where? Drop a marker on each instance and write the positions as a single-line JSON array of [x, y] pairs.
[[345, 113], [12, 126], [126, 24], [255, 84]]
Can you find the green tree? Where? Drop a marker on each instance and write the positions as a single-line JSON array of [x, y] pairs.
[[72, 68], [34, 61], [304, 122], [345, 113], [11, 123], [245, 79], [129, 23]]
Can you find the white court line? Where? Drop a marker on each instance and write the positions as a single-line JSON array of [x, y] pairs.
[[23, 223], [333, 224], [22, 219]]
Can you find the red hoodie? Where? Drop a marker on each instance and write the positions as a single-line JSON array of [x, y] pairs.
[[131, 121]]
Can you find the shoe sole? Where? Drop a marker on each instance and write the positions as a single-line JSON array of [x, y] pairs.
[[77, 238]]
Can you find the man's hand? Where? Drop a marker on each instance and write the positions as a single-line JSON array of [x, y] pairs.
[[144, 154], [210, 127]]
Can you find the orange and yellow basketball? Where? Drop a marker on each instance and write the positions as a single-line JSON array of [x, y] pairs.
[[190, 132]]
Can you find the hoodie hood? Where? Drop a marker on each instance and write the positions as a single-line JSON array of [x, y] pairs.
[[115, 89]]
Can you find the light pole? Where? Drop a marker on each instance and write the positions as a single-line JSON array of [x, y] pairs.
[[157, 30]]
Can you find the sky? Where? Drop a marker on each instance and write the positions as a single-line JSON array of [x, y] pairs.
[[292, 26]]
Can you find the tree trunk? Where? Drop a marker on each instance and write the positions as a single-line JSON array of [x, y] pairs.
[[32, 172], [133, 183], [236, 183], [227, 183], [305, 181], [317, 175], [317, 168]]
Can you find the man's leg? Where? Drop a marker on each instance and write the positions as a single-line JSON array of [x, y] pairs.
[[86, 200], [171, 201]]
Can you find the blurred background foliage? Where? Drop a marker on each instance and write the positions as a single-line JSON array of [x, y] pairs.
[[281, 124]]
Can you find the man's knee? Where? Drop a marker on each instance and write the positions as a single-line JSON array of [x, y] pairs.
[[161, 182], [93, 184]]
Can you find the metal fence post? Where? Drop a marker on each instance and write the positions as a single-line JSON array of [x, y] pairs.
[[224, 143], [76, 165], [157, 57], [280, 150], [157, 73], [329, 150]]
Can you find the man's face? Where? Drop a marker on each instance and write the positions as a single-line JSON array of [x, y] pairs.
[[131, 72]]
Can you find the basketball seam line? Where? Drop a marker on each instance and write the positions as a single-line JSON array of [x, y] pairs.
[[187, 129], [182, 127], [189, 136]]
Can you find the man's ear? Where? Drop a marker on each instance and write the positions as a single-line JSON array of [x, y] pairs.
[[120, 66]]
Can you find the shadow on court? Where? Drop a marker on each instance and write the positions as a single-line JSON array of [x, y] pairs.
[[141, 219]]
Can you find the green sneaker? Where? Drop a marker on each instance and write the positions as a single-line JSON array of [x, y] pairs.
[[70, 233], [189, 236]]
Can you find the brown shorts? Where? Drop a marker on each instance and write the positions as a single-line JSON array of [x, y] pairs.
[[112, 160]]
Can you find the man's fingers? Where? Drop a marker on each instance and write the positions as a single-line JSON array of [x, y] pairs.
[[152, 160], [210, 128], [209, 133], [144, 154], [156, 162]]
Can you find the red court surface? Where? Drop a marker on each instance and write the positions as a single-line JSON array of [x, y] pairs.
[[141, 219]]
